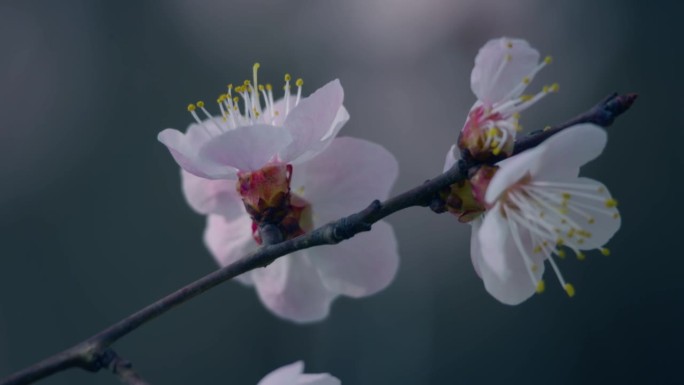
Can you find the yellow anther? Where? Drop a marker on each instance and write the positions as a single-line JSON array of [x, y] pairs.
[[261, 87], [591, 220], [548, 60], [288, 77], [560, 242], [269, 87], [554, 87], [611, 203], [236, 99], [256, 66], [537, 249], [584, 233], [516, 115], [569, 289], [191, 107], [230, 86], [560, 253], [534, 268], [547, 128], [581, 256], [509, 44], [540, 287], [605, 251], [495, 144], [546, 89], [492, 132], [200, 104], [580, 241], [299, 82], [246, 83], [496, 151], [566, 196], [571, 233], [525, 98], [563, 210], [526, 80], [222, 98]]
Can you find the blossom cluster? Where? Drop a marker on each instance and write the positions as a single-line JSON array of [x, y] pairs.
[[273, 162]]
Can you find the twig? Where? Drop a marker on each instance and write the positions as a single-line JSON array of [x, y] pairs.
[[94, 353]]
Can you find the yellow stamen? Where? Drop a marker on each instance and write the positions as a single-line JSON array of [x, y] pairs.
[[191, 107], [299, 82], [200, 104], [540, 287], [610, 203], [569, 289], [288, 77], [605, 251], [581, 256], [548, 60]]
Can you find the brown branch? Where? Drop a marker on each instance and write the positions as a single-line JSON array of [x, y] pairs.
[[94, 353]]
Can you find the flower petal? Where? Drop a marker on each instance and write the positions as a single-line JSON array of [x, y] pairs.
[[450, 158], [345, 178], [318, 379], [286, 375], [361, 266], [313, 120], [604, 224], [511, 171], [292, 289], [230, 240], [246, 148], [503, 269], [207, 196], [475, 248], [494, 77], [568, 150], [185, 149]]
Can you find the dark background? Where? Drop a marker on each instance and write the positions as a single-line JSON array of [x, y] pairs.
[[93, 224]]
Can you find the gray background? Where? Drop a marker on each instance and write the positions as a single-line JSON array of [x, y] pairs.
[[93, 225]]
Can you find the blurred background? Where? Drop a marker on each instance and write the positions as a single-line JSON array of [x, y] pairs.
[[93, 224]]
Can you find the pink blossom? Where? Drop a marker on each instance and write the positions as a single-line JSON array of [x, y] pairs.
[[293, 375]]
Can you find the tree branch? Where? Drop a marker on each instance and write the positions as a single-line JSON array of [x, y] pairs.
[[94, 353]]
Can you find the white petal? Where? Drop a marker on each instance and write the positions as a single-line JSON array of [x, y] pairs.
[[491, 88], [292, 289], [229, 241], [314, 119], [450, 158], [246, 148], [185, 150], [604, 226], [345, 178], [340, 120], [568, 150], [286, 375], [318, 379], [361, 266], [208, 196], [503, 267], [511, 170], [475, 247]]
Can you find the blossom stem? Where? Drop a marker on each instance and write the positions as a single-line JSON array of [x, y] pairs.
[[95, 353]]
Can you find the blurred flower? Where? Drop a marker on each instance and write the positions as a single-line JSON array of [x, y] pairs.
[[503, 69], [292, 375], [281, 165], [538, 207]]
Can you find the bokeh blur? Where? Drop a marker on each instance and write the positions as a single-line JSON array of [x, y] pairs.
[[93, 224]]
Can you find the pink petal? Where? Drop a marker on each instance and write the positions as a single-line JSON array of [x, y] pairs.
[[314, 120], [361, 266], [511, 171], [345, 178], [230, 240], [208, 196], [292, 289], [502, 267], [491, 88], [246, 148], [318, 379], [568, 150], [185, 150], [286, 375]]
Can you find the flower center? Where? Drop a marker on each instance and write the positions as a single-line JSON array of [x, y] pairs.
[[268, 200], [558, 217], [247, 104], [491, 129]]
